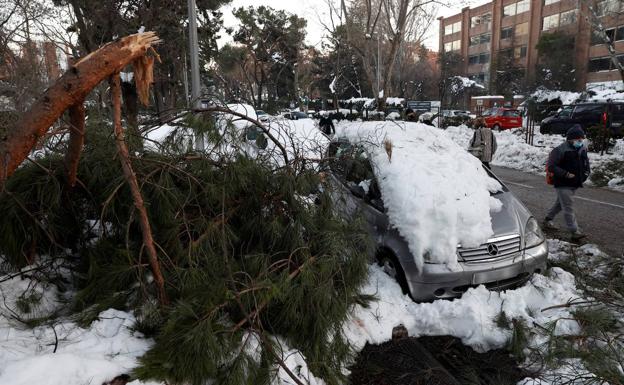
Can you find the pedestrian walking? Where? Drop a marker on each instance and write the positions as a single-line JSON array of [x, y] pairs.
[[483, 143], [567, 169], [327, 125]]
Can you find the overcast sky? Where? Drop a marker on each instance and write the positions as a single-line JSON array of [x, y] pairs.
[[311, 10]]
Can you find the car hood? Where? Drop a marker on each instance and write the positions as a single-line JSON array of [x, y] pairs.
[[548, 119], [511, 218]]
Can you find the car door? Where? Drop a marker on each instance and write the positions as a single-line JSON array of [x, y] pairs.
[[616, 119], [587, 115]]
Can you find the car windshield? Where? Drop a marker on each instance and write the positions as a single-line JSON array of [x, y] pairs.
[[260, 112], [512, 113]]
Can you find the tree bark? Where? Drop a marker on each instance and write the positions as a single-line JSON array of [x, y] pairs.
[[68, 91], [76, 141], [131, 179]]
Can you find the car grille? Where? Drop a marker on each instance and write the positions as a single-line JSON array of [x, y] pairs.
[[496, 249]]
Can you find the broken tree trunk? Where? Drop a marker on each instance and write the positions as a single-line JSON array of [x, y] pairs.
[[76, 141], [68, 91], [131, 179]]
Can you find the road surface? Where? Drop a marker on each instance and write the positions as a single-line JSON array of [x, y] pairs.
[[599, 212]]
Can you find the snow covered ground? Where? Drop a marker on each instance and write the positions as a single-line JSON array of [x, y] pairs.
[[514, 152], [62, 353]]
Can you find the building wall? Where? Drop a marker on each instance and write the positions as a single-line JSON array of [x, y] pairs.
[[534, 17]]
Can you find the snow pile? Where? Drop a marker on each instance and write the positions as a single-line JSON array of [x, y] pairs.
[[606, 90], [62, 353], [394, 101], [436, 194], [472, 318], [460, 83], [546, 96]]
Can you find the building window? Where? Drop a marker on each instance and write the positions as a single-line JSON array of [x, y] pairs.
[[452, 46], [507, 33], [600, 64], [606, 7], [568, 17], [481, 19], [509, 10], [506, 53], [452, 28], [520, 52], [474, 59], [523, 6], [522, 29], [484, 58], [619, 34], [480, 39], [548, 2], [479, 78], [550, 22], [597, 37], [516, 8]]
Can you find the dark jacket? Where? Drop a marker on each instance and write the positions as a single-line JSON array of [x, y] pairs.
[[567, 159], [327, 125]]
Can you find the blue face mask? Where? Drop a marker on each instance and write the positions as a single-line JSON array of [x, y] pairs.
[[577, 144]]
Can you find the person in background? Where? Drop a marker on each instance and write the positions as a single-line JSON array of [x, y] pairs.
[[327, 125], [410, 115], [569, 166], [483, 143]]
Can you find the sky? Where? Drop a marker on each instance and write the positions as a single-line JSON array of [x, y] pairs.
[[314, 10]]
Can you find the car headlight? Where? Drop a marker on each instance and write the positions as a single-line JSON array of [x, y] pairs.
[[533, 235]]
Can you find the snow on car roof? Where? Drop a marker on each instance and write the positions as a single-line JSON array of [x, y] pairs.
[[437, 195]]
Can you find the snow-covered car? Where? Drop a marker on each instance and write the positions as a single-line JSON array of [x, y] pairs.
[[393, 115], [442, 222]]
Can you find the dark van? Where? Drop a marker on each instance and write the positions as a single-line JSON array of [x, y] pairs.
[[587, 115]]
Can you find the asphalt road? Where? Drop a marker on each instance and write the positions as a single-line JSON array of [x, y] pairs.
[[599, 212]]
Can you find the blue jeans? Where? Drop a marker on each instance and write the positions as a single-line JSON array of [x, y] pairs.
[[564, 203]]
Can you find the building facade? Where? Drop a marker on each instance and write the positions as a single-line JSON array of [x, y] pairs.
[[482, 34]]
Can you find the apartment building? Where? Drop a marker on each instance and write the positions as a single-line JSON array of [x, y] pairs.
[[514, 27]]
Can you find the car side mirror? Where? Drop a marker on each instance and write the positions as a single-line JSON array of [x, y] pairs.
[[358, 191]]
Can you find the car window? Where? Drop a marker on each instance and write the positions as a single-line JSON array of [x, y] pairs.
[[511, 113], [585, 111], [566, 112]]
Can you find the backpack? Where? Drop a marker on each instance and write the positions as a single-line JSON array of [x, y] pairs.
[[550, 176]]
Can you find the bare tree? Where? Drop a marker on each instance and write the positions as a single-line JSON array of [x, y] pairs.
[[595, 13]]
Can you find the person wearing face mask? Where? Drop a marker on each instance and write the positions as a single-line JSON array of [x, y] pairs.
[[569, 166]]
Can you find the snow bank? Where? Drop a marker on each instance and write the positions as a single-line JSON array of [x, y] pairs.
[[95, 355], [436, 194], [546, 96], [472, 318]]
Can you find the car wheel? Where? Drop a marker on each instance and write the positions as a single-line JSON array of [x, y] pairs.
[[496, 127], [391, 266]]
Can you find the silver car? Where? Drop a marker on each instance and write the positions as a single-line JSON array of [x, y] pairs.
[[508, 259]]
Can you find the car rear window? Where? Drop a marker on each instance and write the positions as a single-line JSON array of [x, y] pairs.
[[512, 113], [617, 112], [588, 111]]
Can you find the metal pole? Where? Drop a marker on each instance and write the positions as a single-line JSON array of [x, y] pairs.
[[194, 54], [378, 66]]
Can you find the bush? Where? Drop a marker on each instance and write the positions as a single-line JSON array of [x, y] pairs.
[[246, 253]]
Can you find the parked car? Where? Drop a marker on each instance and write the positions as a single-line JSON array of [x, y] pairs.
[[502, 118], [263, 116], [295, 115], [507, 259], [393, 115], [587, 115]]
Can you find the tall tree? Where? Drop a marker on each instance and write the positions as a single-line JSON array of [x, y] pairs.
[[273, 40], [556, 69]]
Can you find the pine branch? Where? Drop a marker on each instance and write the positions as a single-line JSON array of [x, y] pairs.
[[131, 179]]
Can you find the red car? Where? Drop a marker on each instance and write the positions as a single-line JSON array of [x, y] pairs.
[[502, 118]]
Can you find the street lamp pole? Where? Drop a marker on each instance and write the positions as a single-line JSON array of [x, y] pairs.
[[194, 54]]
